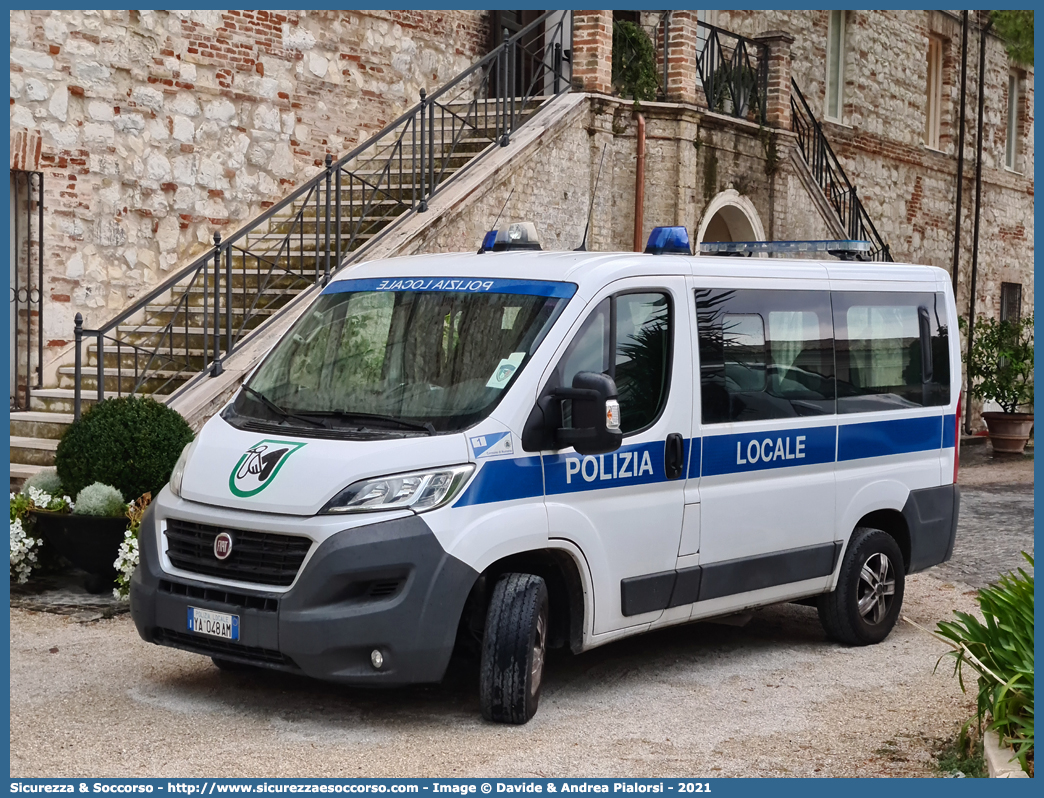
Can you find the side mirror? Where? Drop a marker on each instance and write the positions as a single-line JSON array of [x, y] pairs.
[[596, 414]]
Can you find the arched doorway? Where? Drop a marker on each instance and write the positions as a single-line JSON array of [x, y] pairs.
[[730, 217]]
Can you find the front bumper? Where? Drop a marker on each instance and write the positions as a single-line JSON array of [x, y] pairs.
[[388, 586]]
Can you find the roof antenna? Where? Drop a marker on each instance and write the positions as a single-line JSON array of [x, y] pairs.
[[590, 210], [503, 208]]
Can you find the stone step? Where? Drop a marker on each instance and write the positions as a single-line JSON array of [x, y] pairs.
[[60, 400], [167, 378], [193, 357], [33, 451], [161, 315], [57, 400], [20, 472], [37, 424]]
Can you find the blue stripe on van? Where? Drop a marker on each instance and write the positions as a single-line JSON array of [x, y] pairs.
[[759, 451], [504, 480], [714, 455], [895, 436], [468, 285], [638, 464]]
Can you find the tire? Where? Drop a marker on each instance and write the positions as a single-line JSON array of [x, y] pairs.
[[514, 648], [866, 603]]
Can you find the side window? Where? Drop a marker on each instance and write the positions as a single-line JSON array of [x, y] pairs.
[[642, 357], [764, 354], [892, 351], [628, 337]]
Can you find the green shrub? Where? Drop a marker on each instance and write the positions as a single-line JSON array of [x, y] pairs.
[[1000, 650], [46, 480], [130, 443], [634, 62], [100, 499]]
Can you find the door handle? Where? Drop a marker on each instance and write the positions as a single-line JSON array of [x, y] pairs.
[[674, 456]]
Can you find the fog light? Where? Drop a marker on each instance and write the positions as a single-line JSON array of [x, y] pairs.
[[377, 659]]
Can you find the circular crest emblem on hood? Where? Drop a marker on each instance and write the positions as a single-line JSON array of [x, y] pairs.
[[223, 546]]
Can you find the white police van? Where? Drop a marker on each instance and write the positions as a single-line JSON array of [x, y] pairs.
[[524, 450]]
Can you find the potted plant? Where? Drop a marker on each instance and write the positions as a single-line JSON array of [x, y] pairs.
[[42, 490], [119, 449], [999, 650], [1000, 369], [87, 532]]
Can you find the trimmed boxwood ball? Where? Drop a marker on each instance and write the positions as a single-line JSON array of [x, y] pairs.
[[131, 443]]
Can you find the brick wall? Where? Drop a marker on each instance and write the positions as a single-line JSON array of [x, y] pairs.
[[908, 189], [156, 128]]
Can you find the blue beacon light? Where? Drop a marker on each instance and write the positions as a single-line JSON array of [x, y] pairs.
[[487, 242], [668, 241]]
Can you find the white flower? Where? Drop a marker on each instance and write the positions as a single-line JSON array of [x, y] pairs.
[[126, 562], [23, 552]]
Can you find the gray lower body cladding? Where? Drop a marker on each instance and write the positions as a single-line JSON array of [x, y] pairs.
[[931, 516], [388, 586]]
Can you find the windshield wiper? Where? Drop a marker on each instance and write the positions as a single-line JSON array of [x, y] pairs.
[[349, 416], [286, 414]]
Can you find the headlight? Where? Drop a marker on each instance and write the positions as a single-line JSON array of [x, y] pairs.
[[178, 474], [418, 491]]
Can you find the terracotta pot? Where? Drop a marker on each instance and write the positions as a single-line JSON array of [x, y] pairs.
[[90, 542], [1008, 431]]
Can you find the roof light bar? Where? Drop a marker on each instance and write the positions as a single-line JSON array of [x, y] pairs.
[[516, 236], [668, 241], [846, 250]]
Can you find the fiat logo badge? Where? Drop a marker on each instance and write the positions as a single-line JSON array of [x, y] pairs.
[[223, 546]]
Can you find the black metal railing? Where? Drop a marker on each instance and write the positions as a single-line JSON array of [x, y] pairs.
[[826, 169], [186, 327], [733, 72], [26, 285]]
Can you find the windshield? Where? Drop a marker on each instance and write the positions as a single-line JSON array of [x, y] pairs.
[[410, 356]]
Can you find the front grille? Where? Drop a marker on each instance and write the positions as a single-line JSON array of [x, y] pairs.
[[265, 558], [219, 596], [212, 647]]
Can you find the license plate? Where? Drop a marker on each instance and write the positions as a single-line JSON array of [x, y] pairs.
[[215, 624]]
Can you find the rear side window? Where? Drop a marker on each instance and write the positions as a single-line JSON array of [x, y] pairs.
[[892, 351], [628, 337], [764, 354]]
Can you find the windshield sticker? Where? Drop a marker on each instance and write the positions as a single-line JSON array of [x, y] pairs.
[[491, 445], [505, 370], [466, 285], [508, 320], [259, 465]]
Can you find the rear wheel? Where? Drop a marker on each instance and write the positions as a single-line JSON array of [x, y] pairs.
[[865, 605], [514, 647]]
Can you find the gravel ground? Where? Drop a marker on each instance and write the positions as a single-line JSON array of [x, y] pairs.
[[996, 519], [772, 698]]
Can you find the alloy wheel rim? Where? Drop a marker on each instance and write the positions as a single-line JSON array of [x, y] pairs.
[[539, 645], [876, 589]]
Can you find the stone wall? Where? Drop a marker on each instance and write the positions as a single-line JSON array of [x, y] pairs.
[[909, 190], [689, 161], [156, 128]]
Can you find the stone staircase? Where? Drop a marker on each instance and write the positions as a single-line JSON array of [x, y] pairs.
[[173, 333]]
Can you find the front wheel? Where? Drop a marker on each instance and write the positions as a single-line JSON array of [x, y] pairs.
[[514, 646], [865, 605]]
